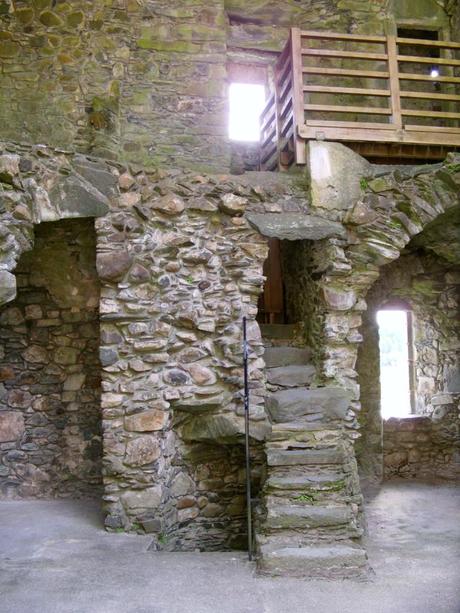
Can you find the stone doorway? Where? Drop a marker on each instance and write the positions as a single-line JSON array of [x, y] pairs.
[[50, 428], [424, 444]]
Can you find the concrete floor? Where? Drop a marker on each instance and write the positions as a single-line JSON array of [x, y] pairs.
[[55, 558]]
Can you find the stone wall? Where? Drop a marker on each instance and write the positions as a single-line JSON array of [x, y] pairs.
[[424, 446], [50, 427], [145, 81], [428, 283], [179, 259], [138, 80], [179, 265]]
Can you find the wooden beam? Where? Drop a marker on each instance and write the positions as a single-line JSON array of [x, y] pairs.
[[324, 123], [434, 61], [359, 55], [392, 51], [366, 134], [346, 72], [439, 129], [346, 90], [429, 96], [440, 114], [329, 108], [443, 44], [407, 76], [297, 95], [336, 36]]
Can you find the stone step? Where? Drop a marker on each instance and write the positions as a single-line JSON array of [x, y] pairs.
[[299, 482], [322, 402], [291, 376], [328, 561], [286, 356], [305, 516], [279, 331], [299, 426], [292, 457]]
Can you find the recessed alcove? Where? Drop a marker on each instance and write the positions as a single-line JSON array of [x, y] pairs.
[[50, 430]]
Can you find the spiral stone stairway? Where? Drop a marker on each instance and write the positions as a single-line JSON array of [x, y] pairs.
[[308, 525]]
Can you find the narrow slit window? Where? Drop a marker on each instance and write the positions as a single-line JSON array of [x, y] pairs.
[[246, 102], [396, 363]]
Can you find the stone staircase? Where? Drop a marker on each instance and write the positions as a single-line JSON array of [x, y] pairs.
[[308, 524]]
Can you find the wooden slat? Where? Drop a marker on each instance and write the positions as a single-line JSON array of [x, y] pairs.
[[367, 134], [368, 110], [360, 55], [336, 36], [267, 128], [443, 44], [269, 117], [408, 76], [406, 150], [392, 51], [286, 89], [269, 104], [284, 76], [267, 153], [269, 138], [345, 72], [429, 96], [288, 121], [327, 123], [284, 108], [440, 114], [434, 61], [297, 94], [287, 130], [439, 129], [346, 90], [284, 54]]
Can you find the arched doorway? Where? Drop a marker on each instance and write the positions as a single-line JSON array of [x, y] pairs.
[[50, 423]]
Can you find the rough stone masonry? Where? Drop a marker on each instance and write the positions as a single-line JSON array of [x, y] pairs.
[[130, 200], [179, 260]]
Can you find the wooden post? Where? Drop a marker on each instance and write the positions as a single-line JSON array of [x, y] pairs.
[[297, 95], [277, 115], [393, 69]]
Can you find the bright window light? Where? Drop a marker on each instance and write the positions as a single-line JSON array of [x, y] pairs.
[[246, 105], [394, 364]]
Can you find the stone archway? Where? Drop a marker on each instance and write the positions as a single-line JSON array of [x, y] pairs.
[[50, 438], [393, 206], [424, 280], [36, 188]]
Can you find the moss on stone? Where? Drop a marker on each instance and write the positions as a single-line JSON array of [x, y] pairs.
[[50, 19], [75, 19]]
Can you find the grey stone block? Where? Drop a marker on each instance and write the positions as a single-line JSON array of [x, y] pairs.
[[323, 561], [287, 405], [291, 457], [291, 376], [294, 226], [286, 356], [306, 516]]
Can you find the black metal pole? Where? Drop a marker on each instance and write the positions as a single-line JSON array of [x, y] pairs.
[[246, 431]]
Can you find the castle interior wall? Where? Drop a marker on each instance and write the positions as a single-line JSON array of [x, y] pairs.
[[424, 444], [50, 427]]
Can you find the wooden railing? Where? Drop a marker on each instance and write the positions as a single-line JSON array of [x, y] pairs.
[[359, 88]]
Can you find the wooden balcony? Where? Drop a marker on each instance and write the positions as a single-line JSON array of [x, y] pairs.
[[385, 96]]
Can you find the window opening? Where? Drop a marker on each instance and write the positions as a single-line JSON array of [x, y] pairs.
[[397, 375], [246, 102]]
